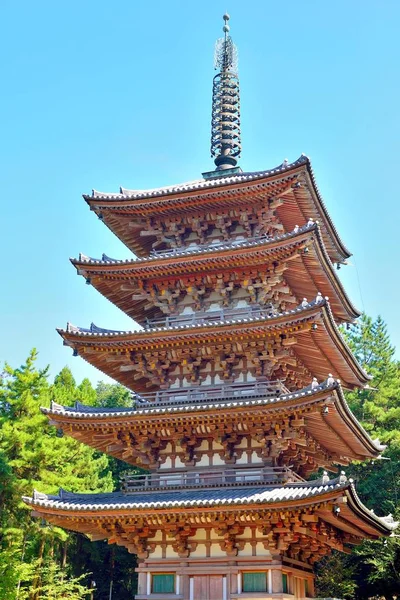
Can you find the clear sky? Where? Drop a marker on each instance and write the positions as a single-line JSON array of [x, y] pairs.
[[98, 94]]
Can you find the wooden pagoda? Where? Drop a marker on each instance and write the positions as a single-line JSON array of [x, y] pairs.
[[237, 373]]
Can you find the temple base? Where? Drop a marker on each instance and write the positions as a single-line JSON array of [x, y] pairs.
[[258, 578]]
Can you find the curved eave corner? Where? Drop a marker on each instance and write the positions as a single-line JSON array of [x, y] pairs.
[[98, 198], [310, 492], [373, 447], [386, 525], [340, 244]]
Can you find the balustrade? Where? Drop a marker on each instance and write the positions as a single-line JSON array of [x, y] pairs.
[[223, 314], [210, 246], [214, 393], [271, 476]]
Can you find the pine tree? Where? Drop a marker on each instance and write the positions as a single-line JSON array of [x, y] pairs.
[[375, 566], [35, 456]]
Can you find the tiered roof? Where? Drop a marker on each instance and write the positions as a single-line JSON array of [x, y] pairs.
[[307, 273], [269, 410], [320, 413], [332, 503], [294, 183], [318, 344]]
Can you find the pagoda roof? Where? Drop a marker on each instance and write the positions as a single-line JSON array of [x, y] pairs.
[[319, 345], [336, 429], [294, 182], [307, 273], [354, 516]]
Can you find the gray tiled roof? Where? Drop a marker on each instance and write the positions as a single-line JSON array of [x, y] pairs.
[[204, 184], [94, 330], [83, 411], [80, 411], [210, 249], [290, 493], [127, 194], [186, 497], [299, 312]]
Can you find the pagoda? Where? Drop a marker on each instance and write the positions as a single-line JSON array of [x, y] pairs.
[[237, 374]]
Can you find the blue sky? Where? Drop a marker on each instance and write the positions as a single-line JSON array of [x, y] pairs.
[[98, 94]]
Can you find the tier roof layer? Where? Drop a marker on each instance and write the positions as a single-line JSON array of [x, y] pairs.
[[153, 286], [296, 345], [309, 429], [125, 213], [315, 516]]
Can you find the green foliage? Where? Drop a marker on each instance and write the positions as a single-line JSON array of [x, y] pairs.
[[53, 583], [38, 561], [335, 577], [33, 555], [112, 394], [374, 567]]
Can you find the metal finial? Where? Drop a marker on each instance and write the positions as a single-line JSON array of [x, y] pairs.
[[225, 123]]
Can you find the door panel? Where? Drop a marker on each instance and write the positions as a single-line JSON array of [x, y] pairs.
[[208, 587], [200, 587], [216, 587]]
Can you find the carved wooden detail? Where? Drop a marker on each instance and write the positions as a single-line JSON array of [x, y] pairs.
[[296, 533], [262, 286], [274, 359], [178, 231]]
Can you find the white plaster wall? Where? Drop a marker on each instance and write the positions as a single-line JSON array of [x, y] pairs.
[[216, 550], [247, 550], [255, 444], [199, 536], [217, 460], [170, 552], [157, 553], [254, 459], [200, 551], [261, 551], [242, 460], [204, 461], [167, 449], [246, 533], [243, 443]]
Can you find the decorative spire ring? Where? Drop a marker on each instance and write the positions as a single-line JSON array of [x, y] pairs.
[[225, 121]]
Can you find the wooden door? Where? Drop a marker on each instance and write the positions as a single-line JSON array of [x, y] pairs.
[[208, 587], [200, 588], [216, 587]]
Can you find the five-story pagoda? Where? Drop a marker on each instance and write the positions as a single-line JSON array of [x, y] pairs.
[[235, 375]]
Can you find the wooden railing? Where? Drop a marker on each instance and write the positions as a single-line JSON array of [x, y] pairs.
[[214, 393], [271, 476], [210, 246], [224, 314]]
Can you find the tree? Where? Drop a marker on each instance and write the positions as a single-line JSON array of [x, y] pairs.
[[374, 566], [35, 456], [335, 577], [110, 395]]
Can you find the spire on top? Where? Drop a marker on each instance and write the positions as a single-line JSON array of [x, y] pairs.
[[225, 121]]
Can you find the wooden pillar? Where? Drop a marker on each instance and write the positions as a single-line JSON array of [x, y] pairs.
[[311, 587], [276, 578], [234, 582], [142, 580], [185, 587]]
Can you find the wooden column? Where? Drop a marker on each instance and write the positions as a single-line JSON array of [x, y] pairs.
[[276, 577]]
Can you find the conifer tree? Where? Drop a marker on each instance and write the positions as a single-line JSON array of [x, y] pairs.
[[374, 567], [33, 455]]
